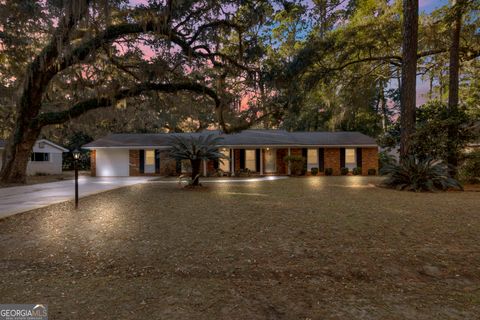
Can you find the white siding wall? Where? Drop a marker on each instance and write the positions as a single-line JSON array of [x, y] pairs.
[[112, 162], [52, 166]]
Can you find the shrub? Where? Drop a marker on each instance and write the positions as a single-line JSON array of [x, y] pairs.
[[384, 159], [372, 172], [343, 171], [243, 173], [413, 174], [357, 171], [296, 164], [470, 170], [314, 171], [328, 171]]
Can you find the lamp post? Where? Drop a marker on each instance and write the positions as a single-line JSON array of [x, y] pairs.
[[76, 156]]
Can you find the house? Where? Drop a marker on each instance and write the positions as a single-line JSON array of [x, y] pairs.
[[260, 151], [46, 157]]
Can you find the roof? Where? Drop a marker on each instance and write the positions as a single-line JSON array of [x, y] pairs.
[[246, 138], [3, 142]]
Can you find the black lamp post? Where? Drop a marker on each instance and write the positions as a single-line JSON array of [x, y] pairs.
[[76, 156]]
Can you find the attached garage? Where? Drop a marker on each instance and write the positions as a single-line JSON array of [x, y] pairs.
[[112, 162]]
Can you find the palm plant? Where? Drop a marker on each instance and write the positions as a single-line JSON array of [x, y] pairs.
[[195, 149], [415, 174]]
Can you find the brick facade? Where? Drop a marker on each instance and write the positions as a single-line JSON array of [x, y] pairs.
[[332, 159], [282, 167], [93, 163], [134, 162], [369, 160], [168, 166]]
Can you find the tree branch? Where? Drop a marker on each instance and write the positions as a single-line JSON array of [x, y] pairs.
[[82, 107]]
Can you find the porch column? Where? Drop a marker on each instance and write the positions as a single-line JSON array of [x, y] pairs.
[[289, 168], [261, 161], [204, 168], [232, 162]]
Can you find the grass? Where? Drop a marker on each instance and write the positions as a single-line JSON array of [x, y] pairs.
[[301, 248]]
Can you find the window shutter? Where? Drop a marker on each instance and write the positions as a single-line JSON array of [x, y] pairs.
[[305, 159], [178, 166], [321, 160], [141, 157], [157, 161], [242, 158], [342, 157], [359, 157], [257, 160], [216, 164]]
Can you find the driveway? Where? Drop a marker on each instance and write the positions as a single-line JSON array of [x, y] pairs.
[[19, 199]]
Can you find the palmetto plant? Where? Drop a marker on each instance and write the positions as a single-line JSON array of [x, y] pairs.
[[414, 174], [195, 149]]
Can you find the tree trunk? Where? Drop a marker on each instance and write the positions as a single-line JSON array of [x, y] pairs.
[[195, 171], [453, 84], [409, 75], [16, 156]]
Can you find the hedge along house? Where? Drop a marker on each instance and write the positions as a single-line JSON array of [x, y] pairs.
[[46, 157], [259, 151]]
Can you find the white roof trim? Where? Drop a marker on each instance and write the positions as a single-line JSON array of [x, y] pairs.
[[49, 143], [52, 144]]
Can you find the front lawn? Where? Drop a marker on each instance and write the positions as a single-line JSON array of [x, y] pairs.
[[300, 248]]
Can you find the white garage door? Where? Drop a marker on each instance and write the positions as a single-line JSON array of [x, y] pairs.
[[112, 162]]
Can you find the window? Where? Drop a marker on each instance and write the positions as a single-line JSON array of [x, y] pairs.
[[312, 159], [40, 156], [350, 158], [250, 160], [225, 163], [149, 157]]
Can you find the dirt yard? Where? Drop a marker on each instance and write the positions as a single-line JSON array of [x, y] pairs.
[[300, 248]]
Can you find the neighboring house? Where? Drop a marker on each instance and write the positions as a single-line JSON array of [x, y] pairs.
[[46, 158], [260, 151]]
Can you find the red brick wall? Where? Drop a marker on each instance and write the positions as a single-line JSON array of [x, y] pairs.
[[134, 162], [282, 167], [332, 160], [369, 160], [93, 163], [168, 166]]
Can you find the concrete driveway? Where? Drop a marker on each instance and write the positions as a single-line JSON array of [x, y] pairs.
[[19, 199]]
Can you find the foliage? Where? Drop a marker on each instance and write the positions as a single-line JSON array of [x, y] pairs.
[[470, 170], [243, 173], [372, 172], [195, 148], [343, 171], [296, 164], [416, 174], [314, 171], [357, 171], [431, 139], [384, 159], [328, 171]]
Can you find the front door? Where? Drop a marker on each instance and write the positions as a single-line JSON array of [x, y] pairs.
[[270, 160]]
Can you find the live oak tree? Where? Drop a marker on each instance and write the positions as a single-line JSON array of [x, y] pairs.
[[67, 60]]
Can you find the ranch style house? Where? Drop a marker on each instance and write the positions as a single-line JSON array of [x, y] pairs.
[[260, 151]]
